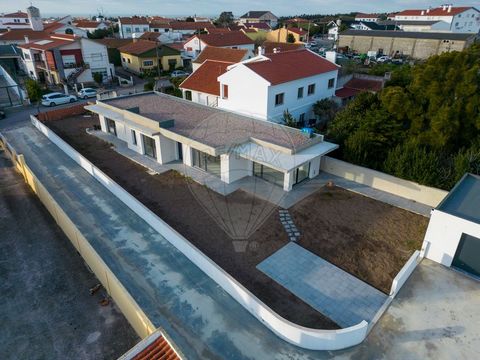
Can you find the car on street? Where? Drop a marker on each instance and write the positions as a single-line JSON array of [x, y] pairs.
[[179, 73], [57, 98], [86, 93], [383, 59]]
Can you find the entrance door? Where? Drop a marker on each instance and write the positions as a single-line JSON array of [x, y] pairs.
[[150, 148], [180, 151], [467, 256], [301, 173], [112, 129], [268, 174]]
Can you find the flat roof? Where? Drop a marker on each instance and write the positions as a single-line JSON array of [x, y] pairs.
[[464, 199], [410, 34], [210, 126]]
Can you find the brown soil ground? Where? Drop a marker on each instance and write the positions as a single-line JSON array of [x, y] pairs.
[[363, 236]]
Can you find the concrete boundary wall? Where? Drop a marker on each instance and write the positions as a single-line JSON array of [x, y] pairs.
[[134, 314], [307, 338], [384, 182], [405, 273]]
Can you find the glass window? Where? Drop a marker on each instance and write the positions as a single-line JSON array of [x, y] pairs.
[[331, 83], [111, 128], [268, 174], [148, 63], [188, 95], [225, 92], [311, 89], [279, 99], [301, 173], [206, 162], [134, 137], [300, 93], [150, 148]]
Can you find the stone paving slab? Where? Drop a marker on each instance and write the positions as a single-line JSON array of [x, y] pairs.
[[330, 290]]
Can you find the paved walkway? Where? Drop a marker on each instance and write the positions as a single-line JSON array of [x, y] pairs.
[[262, 188], [330, 290], [199, 316]]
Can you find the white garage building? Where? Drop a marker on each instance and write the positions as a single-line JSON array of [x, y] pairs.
[[225, 144], [453, 234]]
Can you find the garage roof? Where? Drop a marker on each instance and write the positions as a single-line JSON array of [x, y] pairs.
[[464, 199]]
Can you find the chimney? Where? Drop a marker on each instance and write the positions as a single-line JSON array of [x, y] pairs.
[[450, 8], [428, 10], [423, 12], [260, 50], [275, 50], [444, 7], [26, 39]]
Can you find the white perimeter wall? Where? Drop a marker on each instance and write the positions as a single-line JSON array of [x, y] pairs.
[[443, 236], [381, 181], [307, 338]]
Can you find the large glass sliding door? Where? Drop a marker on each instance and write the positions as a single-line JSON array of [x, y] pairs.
[[111, 128], [268, 174], [206, 162], [301, 173], [149, 145]]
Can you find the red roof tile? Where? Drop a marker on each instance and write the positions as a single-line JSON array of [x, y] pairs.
[[18, 14], [231, 38], [344, 93], [138, 47], [291, 65], [298, 31], [47, 43], [221, 54], [150, 35], [269, 46], [113, 43], [218, 30], [205, 78], [434, 12], [158, 349], [261, 26], [87, 24], [177, 45], [19, 35], [135, 20], [364, 84]]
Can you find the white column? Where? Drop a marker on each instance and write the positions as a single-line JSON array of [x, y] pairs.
[[314, 167], [225, 168], [158, 149], [288, 181], [187, 155], [103, 123]]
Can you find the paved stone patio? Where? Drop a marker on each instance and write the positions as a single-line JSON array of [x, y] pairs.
[[330, 290]]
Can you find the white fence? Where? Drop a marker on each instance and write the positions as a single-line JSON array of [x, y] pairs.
[[405, 273], [307, 338], [381, 181]]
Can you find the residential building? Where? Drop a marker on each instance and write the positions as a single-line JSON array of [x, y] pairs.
[[62, 59], [190, 28], [127, 26], [225, 145], [64, 26], [270, 47], [113, 44], [202, 85], [11, 58], [282, 35], [16, 20], [351, 85], [334, 26], [259, 17], [417, 45], [142, 55], [91, 26], [233, 39], [268, 85], [225, 55], [461, 19], [367, 17]]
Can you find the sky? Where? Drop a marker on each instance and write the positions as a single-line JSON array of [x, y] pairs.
[[214, 7]]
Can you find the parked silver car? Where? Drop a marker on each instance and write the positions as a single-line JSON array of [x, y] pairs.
[[57, 98], [86, 93]]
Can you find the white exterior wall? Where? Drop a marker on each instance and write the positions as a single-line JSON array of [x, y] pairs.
[[247, 92], [197, 47], [234, 168], [168, 150], [202, 98], [187, 155], [127, 30], [304, 105], [29, 64], [443, 236], [96, 56], [315, 167]]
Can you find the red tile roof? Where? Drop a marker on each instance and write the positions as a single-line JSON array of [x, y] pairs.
[[187, 25], [18, 14], [158, 349], [434, 12], [291, 65], [48, 43], [364, 84], [138, 47], [19, 35], [261, 26], [87, 24], [221, 54], [150, 35], [51, 27], [135, 20], [231, 38], [345, 93], [218, 30], [249, 30], [298, 31], [269, 46], [113, 43], [177, 45], [205, 78]]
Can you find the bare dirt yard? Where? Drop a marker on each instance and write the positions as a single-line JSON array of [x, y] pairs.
[[365, 237]]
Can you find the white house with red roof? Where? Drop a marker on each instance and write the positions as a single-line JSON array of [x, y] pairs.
[[367, 17], [268, 85], [457, 19], [16, 20], [232, 39]]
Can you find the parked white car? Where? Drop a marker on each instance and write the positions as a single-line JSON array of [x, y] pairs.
[[179, 73], [57, 98], [86, 93], [383, 59]]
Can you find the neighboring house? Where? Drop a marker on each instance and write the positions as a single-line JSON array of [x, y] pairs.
[[465, 19], [367, 17], [334, 26], [218, 30], [419, 26], [453, 234], [365, 25], [142, 55], [282, 34], [64, 26], [91, 26], [127, 26], [233, 39], [190, 28], [229, 146], [417, 45], [267, 85], [11, 58], [270, 47], [113, 44], [352, 85], [66, 59], [225, 55], [202, 85], [259, 17], [16, 20], [258, 26]]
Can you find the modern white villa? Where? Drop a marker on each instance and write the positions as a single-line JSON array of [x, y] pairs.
[[224, 144]]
